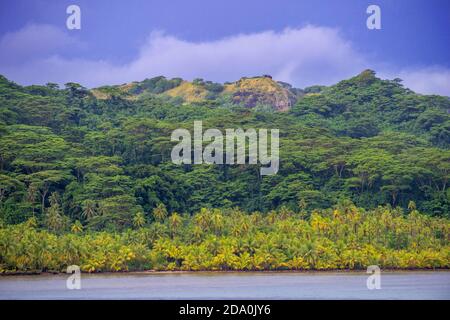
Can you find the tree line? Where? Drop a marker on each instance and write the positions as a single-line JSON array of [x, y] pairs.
[[346, 237]]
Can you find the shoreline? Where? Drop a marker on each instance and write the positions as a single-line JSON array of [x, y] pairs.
[[160, 272]]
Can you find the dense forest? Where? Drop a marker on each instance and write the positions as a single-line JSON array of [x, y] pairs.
[[86, 177]]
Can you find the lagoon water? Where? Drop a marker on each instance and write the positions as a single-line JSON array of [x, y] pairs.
[[239, 285]]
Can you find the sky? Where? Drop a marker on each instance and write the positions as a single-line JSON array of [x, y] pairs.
[[304, 43]]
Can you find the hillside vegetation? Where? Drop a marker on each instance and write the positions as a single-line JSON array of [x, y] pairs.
[[81, 169]]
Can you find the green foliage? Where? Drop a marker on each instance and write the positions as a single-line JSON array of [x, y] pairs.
[[365, 105], [341, 238], [155, 85], [160, 212], [79, 165]]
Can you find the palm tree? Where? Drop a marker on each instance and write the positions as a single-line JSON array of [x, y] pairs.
[[244, 262], [217, 221], [157, 230], [31, 195], [174, 222], [77, 227], [203, 219], [411, 206], [160, 212], [197, 232], [272, 217], [54, 218], [256, 218], [284, 213], [245, 225], [310, 253], [302, 205], [89, 209], [139, 219], [31, 222]]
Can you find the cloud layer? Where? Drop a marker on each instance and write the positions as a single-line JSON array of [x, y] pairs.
[[34, 42], [302, 57], [428, 80]]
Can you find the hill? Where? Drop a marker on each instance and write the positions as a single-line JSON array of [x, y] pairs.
[[86, 177], [364, 140], [262, 92]]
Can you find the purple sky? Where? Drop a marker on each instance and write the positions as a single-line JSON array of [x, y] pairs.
[[301, 42]]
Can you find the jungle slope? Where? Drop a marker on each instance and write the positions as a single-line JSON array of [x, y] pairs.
[[86, 177]]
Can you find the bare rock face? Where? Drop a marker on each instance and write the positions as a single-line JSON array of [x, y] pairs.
[[261, 91]]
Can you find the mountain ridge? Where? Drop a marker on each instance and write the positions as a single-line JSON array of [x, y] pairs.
[[262, 92], [358, 107], [250, 92]]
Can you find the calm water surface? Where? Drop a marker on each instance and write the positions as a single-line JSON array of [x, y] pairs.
[[394, 285]]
